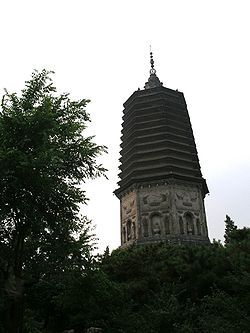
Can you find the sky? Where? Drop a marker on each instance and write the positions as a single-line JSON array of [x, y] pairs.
[[99, 50]]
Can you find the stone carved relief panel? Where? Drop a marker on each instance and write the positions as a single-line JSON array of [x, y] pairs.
[[154, 198], [191, 223], [156, 224], [128, 206], [128, 231], [128, 217], [187, 199], [151, 213]]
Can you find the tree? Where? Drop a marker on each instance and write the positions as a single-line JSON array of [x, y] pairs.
[[44, 157], [179, 288], [229, 229]]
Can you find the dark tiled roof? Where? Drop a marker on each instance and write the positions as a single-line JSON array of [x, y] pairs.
[[157, 139]]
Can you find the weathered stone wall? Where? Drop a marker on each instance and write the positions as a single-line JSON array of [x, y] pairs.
[[129, 213], [169, 211]]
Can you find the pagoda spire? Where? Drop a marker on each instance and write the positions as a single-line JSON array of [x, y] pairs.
[[153, 80]]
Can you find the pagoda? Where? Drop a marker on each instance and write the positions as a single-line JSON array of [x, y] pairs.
[[161, 188]]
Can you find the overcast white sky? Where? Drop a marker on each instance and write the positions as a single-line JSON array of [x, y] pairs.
[[100, 50]]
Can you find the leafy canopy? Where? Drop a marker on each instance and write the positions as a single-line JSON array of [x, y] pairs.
[[42, 152], [43, 156]]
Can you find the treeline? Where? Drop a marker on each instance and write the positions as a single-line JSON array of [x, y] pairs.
[[176, 288], [150, 288]]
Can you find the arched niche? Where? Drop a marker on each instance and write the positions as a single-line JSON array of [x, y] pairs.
[[155, 220], [189, 218]]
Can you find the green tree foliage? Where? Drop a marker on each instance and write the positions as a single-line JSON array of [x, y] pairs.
[[164, 287], [230, 227], [173, 288], [44, 157]]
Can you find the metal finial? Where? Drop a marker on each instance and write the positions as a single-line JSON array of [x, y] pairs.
[[153, 80], [152, 70]]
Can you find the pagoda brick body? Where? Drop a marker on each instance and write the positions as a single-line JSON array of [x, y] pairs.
[[161, 188]]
